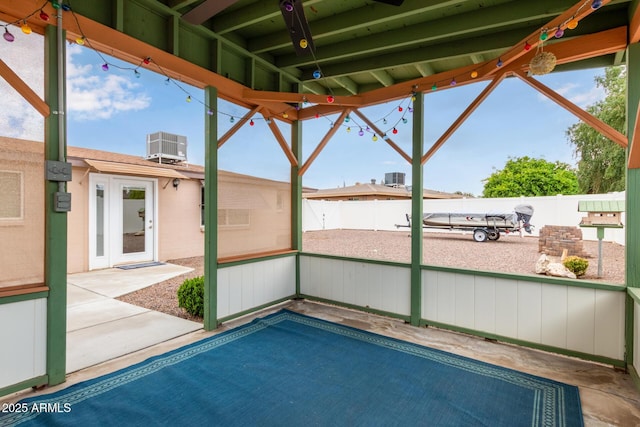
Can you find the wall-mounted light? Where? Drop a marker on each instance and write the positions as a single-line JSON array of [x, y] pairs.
[[176, 182]]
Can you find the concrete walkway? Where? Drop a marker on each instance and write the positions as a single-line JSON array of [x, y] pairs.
[[101, 328]]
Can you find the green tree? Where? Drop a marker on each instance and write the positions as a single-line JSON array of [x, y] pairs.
[[525, 176], [601, 162]]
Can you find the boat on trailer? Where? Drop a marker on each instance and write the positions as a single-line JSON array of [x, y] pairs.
[[485, 226]]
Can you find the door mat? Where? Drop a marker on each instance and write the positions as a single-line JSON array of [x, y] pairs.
[[134, 266]]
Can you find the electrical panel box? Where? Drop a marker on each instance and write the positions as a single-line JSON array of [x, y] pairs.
[[58, 171], [62, 202]]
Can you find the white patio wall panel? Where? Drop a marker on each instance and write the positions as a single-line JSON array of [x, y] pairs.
[[377, 286], [246, 286], [636, 337], [586, 320], [23, 341], [385, 214]]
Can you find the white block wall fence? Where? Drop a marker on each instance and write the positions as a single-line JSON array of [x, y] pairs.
[[385, 214]]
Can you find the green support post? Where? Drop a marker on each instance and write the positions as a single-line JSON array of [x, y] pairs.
[[55, 222], [211, 211], [416, 209], [296, 197], [632, 201]]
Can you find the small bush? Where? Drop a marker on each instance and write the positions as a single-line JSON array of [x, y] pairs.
[[576, 265], [191, 296]]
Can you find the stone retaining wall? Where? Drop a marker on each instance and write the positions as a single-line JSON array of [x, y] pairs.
[[554, 239]]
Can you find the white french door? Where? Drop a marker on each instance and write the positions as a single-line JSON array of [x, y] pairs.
[[122, 221]]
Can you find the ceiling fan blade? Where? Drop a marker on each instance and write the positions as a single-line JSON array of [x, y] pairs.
[[391, 2], [206, 10], [296, 22]]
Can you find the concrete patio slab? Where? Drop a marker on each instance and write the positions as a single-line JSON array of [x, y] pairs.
[[115, 282], [78, 296], [96, 312], [105, 341]]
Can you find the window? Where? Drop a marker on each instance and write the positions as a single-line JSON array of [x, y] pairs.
[[11, 195], [234, 217]]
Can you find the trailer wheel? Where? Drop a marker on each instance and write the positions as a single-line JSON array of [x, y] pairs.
[[493, 234], [479, 235]]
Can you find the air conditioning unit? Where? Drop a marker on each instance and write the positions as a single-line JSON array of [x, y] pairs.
[[166, 147]]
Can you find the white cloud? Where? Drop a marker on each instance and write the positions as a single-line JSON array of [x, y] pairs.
[[577, 94], [93, 94]]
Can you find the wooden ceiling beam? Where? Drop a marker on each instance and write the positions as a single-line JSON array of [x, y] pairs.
[[24, 90], [323, 143], [275, 130], [634, 147], [381, 133], [464, 116], [589, 119]]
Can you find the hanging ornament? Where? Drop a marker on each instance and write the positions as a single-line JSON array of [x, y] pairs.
[[542, 63], [25, 28], [317, 74], [8, 36], [572, 24]]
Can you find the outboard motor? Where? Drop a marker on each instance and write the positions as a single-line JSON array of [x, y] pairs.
[[524, 213]]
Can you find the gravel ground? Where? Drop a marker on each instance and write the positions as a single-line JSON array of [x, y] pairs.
[[510, 254]]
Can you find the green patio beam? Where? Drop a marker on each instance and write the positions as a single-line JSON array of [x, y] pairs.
[[296, 197], [211, 210], [632, 201], [55, 256], [416, 209], [633, 175]]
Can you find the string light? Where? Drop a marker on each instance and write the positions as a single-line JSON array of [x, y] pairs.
[[330, 99], [251, 122], [8, 36], [453, 82], [596, 4], [360, 132], [188, 98], [80, 40], [317, 74], [25, 27], [43, 15], [527, 46], [559, 33], [147, 60], [105, 67], [474, 74], [499, 63], [395, 131], [572, 24], [55, 4], [374, 138], [304, 43]]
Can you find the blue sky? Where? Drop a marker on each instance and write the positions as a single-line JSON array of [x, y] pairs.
[[115, 110]]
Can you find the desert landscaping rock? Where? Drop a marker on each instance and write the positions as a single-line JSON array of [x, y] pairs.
[[509, 254]]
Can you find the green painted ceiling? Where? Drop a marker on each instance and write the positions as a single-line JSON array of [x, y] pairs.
[[360, 45]]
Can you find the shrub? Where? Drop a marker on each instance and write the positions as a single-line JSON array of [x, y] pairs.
[[576, 265], [191, 296]]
